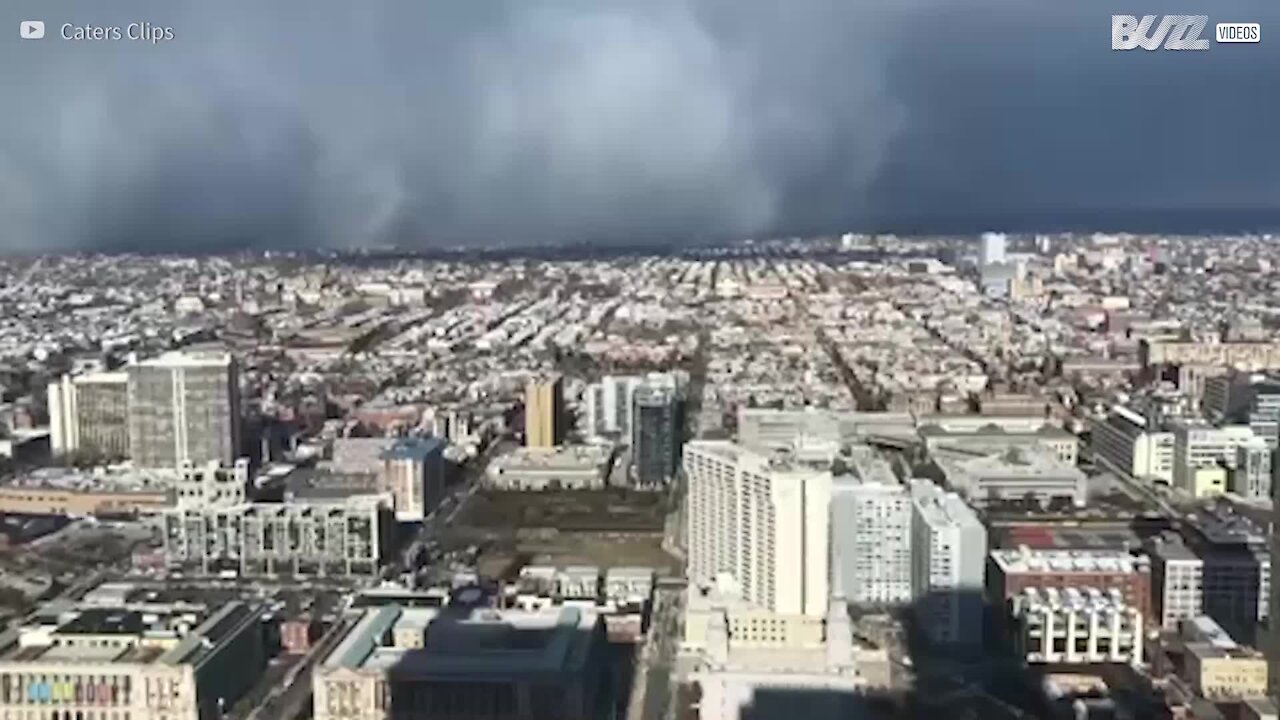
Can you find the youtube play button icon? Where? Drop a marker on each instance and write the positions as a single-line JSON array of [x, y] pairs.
[[31, 29]]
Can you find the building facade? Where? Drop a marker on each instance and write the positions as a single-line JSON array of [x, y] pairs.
[[350, 536], [871, 539], [657, 434], [114, 663], [1075, 626], [90, 414], [949, 545], [544, 411], [184, 408], [765, 521], [413, 472]]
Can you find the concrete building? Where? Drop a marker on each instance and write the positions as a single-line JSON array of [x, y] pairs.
[[608, 406], [949, 545], [90, 414], [993, 438], [748, 662], [1217, 667], [1016, 569], [992, 248], [870, 534], [212, 484], [478, 663], [1013, 474], [765, 429], [184, 407], [568, 467], [155, 663], [1076, 626], [764, 520], [1221, 569], [544, 411], [102, 498], [657, 434], [1126, 443], [1245, 398], [350, 455], [328, 536], [1251, 477], [1198, 447], [413, 472]]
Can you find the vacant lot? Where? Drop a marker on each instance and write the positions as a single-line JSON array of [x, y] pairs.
[[566, 511]]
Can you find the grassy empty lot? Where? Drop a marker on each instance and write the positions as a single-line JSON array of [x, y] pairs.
[[565, 510]]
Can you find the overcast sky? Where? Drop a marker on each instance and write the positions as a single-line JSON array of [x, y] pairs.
[[436, 123]]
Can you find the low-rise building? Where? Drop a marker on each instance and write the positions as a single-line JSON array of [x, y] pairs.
[[122, 662], [351, 535], [1078, 626], [479, 663], [1218, 667], [568, 467], [1015, 473]]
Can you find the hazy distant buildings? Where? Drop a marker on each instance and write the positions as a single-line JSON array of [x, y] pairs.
[[992, 249], [184, 408], [89, 414], [762, 520], [544, 411]]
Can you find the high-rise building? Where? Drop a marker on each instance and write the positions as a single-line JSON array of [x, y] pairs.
[[870, 534], [544, 411], [90, 413], [657, 429], [184, 407], [413, 470], [948, 565], [993, 247], [764, 520], [1273, 596], [616, 394]]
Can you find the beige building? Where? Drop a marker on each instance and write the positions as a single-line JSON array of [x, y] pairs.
[[544, 411], [47, 500], [764, 520], [1226, 672], [113, 663]]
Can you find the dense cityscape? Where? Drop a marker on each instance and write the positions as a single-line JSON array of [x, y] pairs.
[[999, 476]]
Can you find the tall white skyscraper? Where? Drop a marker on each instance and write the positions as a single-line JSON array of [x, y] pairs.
[[184, 407], [765, 521], [948, 565], [871, 535], [993, 247], [608, 405]]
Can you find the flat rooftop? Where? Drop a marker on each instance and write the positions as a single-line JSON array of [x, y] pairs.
[[473, 642], [1019, 560], [133, 636]]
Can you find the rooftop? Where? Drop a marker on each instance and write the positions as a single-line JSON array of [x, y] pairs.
[[1026, 560], [480, 641], [414, 448]]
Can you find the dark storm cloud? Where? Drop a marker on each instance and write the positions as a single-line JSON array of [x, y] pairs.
[[433, 123]]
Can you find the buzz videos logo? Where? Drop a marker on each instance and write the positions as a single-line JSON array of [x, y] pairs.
[[1176, 32]]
